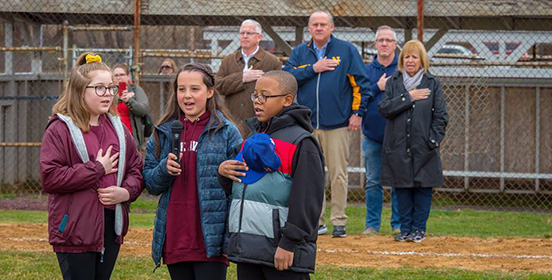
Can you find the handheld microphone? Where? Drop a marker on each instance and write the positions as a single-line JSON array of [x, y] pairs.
[[176, 132]]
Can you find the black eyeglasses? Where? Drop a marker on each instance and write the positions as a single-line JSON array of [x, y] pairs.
[[166, 67], [262, 98], [101, 90]]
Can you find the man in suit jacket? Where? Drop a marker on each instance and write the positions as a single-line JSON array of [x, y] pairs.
[[239, 71]]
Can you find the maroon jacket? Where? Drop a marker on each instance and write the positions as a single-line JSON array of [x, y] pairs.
[[75, 213]]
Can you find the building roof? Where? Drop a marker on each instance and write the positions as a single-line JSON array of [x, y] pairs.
[[450, 14]]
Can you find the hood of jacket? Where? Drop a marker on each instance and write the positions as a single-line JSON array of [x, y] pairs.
[[294, 114], [377, 64], [165, 127]]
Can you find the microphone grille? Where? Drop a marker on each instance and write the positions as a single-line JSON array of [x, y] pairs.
[[176, 126]]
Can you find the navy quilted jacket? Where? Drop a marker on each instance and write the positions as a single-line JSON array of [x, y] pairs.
[[213, 149]]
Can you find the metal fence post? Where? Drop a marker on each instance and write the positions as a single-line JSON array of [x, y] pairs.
[[136, 66], [502, 120], [65, 58], [537, 138], [467, 139]]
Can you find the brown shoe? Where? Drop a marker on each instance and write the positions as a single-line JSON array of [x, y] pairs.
[[369, 231]]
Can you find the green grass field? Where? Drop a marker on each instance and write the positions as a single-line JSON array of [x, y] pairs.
[[23, 265], [43, 265], [441, 222]]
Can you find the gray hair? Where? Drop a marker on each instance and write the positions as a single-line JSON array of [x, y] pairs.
[[386, 27], [324, 12], [258, 27]]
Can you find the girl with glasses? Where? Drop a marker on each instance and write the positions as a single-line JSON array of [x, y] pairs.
[[91, 169]]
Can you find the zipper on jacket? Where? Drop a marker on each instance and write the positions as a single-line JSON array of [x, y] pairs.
[[241, 207], [157, 265], [318, 102], [101, 257], [205, 131], [317, 86]]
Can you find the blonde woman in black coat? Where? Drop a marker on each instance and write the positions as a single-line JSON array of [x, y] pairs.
[[415, 109]]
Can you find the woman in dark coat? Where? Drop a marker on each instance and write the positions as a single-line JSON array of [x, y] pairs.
[[415, 109]]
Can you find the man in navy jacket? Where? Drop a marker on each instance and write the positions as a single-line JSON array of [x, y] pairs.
[[382, 67], [332, 83]]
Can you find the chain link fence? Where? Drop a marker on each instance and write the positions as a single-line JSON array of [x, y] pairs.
[[494, 60]]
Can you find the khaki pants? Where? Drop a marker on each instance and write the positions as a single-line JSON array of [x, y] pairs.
[[335, 146]]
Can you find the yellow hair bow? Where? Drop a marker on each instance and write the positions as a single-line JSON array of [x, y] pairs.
[[93, 58]]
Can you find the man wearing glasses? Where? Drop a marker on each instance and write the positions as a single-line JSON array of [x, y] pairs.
[[238, 72], [332, 83], [383, 65]]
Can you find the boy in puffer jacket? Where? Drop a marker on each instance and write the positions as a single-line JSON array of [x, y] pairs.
[[277, 186]]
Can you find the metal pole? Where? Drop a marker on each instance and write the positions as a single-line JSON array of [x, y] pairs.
[[467, 138], [502, 119], [65, 50], [192, 41], [101, 28], [136, 67], [537, 139], [421, 20]]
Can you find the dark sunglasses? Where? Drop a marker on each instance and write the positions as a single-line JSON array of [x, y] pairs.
[[166, 67]]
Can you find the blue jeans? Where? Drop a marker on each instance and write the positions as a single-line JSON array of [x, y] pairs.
[[414, 207], [374, 191]]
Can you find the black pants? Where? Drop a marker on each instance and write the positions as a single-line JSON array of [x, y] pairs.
[[414, 207], [92, 265], [248, 271], [197, 271]]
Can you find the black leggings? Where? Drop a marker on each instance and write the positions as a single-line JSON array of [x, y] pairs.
[[91, 265], [197, 270]]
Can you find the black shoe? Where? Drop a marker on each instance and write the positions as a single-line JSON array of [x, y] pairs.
[[417, 236], [339, 231], [402, 237]]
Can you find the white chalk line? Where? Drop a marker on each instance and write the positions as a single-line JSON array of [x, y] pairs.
[[333, 251], [450, 255]]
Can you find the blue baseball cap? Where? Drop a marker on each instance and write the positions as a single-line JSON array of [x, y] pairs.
[[258, 152]]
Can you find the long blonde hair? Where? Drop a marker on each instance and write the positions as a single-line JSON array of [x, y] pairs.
[[71, 102]]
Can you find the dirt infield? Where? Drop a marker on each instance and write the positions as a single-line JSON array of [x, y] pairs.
[[507, 254]]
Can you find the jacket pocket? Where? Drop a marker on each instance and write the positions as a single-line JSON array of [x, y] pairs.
[[304, 258], [63, 223], [85, 221], [58, 218]]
